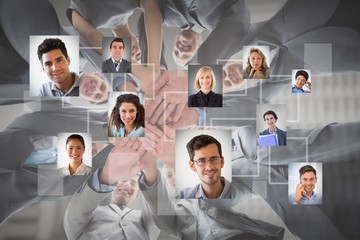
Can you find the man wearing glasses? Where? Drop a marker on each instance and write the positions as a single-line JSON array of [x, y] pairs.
[[202, 218], [206, 160]]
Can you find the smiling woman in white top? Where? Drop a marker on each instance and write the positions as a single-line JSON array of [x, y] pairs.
[[75, 148]]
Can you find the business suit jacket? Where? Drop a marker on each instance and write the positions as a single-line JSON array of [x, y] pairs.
[[85, 219], [280, 134], [228, 21], [109, 67], [196, 100]]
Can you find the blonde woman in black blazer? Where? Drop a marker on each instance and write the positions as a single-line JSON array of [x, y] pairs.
[[205, 81]]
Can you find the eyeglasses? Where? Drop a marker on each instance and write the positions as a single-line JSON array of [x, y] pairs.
[[202, 161]]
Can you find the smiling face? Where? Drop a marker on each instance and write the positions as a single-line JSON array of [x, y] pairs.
[[205, 81], [75, 151], [128, 114], [255, 60], [56, 66], [93, 88], [125, 191], [308, 181], [210, 173], [300, 81], [117, 50], [270, 121]]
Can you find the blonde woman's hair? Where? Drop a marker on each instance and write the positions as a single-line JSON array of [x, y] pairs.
[[201, 71]]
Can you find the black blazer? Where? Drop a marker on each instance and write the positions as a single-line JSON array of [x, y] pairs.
[[109, 67], [196, 100]]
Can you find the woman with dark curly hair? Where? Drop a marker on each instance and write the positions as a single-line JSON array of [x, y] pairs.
[[127, 118]]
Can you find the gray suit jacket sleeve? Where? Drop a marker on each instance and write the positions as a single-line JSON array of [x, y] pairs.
[[79, 211], [232, 27], [330, 143], [178, 221]]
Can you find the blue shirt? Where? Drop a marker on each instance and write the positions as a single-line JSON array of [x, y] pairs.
[[197, 192], [314, 199], [94, 183], [136, 132], [296, 90], [49, 89]]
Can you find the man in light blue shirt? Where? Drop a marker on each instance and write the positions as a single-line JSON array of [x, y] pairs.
[[301, 79], [49, 89], [206, 160], [304, 192], [55, 63]]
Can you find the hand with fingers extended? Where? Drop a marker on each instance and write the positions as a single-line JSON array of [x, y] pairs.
[[123, 162], [126, 160], [147, 155], [171, 98], [128, 143], [160, 143]]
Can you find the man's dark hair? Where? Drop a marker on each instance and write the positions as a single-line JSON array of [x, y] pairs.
[[302, 73], [50, 44], [117, 40], [307, 168], [199, 142], [270, 112]]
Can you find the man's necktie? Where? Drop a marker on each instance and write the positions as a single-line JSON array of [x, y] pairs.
[[117, 66]]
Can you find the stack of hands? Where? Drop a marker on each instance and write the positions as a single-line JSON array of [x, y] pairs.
[[164, 114]]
